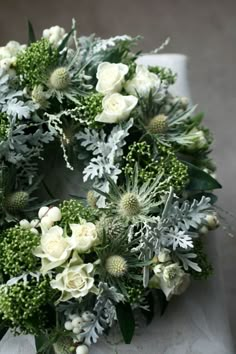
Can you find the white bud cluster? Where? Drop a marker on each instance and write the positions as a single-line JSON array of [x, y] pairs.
[[30, 225], [48, 216], [75, 323]]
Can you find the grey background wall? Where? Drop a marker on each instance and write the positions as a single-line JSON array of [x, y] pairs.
[[205, 30]]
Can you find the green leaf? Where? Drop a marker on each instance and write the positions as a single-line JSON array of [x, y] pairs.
[[163, 303], [3, 330], [65, 40], [200, 180], [149, 314], [44, 345], [31, 33], [126, 321]]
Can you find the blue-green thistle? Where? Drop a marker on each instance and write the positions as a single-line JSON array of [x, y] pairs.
[[16, 202]]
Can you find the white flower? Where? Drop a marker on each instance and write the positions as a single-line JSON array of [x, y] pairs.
[[110, 77], [143, 82], [54, 214], [55, 35], [46, 223], [82, 349], [75, 281], [172, 280], [8, 55], [84, 236], [43, 211], [25, 224], [54, 249], [116, 108], [164, 255]]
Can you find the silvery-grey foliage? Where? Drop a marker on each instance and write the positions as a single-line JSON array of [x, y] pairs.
[[106, 151], [104, 310], [175, 229]]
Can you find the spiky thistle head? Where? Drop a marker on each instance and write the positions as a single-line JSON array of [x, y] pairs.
[[129, 205], [116, 266], [60, 79], [158, 124], [15, 202]]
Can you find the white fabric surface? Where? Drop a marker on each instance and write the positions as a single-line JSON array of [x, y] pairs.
[[195, 323]]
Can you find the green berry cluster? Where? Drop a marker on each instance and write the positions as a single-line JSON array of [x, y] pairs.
[[89, 107], [35, 62], [202, 260], [16, 245], [4, 126], [73, 211], [165, 74], [134, 293], [166, 163], [23, 305]]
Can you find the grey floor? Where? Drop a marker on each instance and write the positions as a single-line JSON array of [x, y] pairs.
[[205, 30]]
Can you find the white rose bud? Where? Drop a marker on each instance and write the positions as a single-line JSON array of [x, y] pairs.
[[25, 224], [116, 108], [76, 330], [77, 321], [212, 221], [34, 230], [54, 214], [82, 349], [34, 223], [43, 211], [143, 82], [110, 77], [46, 222], [68, 326]]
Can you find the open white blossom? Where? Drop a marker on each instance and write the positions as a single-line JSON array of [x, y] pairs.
[[143, 82], [84, 236], [75, 281], [116, 108], [54, 34], [53, 250], [110, 77]]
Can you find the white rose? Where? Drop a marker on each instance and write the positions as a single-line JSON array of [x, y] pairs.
[[84, 236], [54, 249], [75, 281], [143, 82], [55, 35], [54, 214], [116, 108], [110, 77]]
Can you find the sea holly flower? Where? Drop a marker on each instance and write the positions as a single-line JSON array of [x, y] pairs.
[[116, 108], [75, 281], [84, 236], [143, 82], [110, 77], [53, 250]]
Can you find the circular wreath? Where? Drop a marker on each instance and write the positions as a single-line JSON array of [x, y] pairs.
[[70, 269]]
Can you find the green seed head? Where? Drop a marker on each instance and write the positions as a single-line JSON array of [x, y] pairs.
[[91, 199], [116, 266], [60, 79], [129, 205], [158, 124], [16, 202], [38, 95]]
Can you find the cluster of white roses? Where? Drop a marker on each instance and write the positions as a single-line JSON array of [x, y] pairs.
[[111, 80], [169, 277], [8, 55], [57, 249]]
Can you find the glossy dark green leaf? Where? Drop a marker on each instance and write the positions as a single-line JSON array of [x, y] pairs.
[[163, 303], [3, 330], [200, 180], [150, 313], [43, 345], [126, 321], [65, 40], [31, 33]]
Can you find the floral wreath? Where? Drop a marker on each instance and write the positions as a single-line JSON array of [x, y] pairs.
[[69, 271]]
